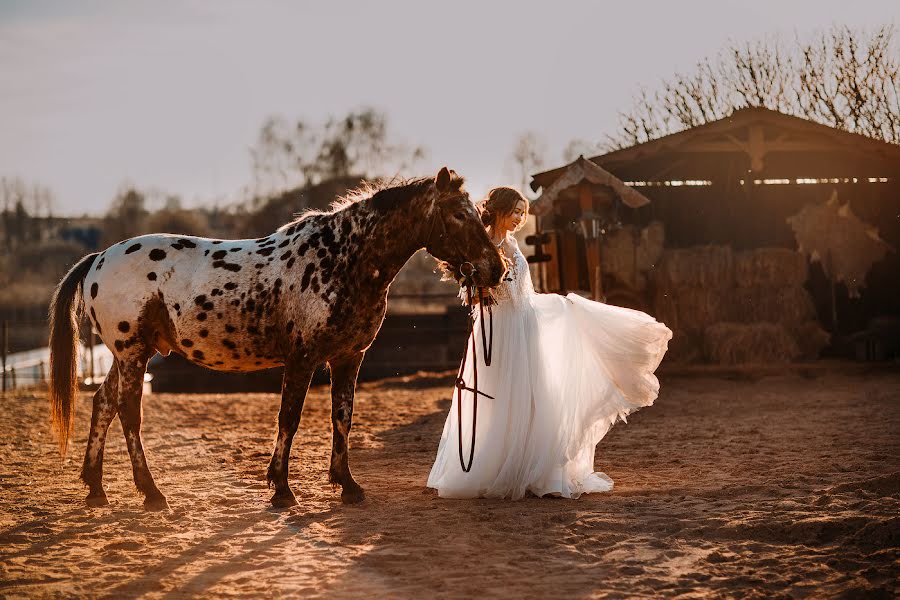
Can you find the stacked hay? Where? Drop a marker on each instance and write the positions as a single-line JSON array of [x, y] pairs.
[[737, 307], [769, 267], [811, 338], [770, 290], [787, 304], [629, 253], [689, 285], [707, 266], [740, 343]]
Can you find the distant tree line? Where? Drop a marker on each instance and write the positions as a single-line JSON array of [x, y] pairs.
[[296, 154], [296, 166]]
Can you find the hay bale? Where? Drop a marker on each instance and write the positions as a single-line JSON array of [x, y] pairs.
[[684, 348], [776, 267], [699, 307], [700, 266], [786, 305], [739, 343], [811, 339], [665, 309], [628, 253]]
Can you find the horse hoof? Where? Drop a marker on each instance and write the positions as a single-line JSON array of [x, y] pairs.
[[283, 500], [353, 495], [96, 500], [156, 503]]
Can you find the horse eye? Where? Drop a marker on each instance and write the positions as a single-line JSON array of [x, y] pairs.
[[460, 216]]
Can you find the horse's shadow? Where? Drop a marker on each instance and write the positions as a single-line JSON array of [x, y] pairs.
[[405, 531], [402, 528]]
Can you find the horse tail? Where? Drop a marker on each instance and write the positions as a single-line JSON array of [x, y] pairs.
[[65, 310]]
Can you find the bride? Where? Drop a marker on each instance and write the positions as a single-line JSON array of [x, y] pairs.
[[563, 370]]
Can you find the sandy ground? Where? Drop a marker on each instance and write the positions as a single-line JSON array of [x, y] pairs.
[[784, 486]]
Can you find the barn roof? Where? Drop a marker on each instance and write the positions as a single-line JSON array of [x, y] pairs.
[[755, 141]]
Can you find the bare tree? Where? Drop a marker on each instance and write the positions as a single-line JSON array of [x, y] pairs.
[[23, 208], [579, 147], [290, 155], [127, 216], [845, 78], [528, 154]]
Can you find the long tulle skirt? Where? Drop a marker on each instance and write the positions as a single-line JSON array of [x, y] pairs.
[[564, 370]]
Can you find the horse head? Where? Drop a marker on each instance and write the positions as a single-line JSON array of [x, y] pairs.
[[456, 235]]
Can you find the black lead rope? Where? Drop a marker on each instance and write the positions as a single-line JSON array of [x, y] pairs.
[[488, 347]]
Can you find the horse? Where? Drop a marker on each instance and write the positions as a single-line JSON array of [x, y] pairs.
[[313, 292]]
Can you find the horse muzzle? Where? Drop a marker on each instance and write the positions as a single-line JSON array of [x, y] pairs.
[[469, 274]]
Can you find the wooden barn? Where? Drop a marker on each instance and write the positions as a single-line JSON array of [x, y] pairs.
[[724, 192]]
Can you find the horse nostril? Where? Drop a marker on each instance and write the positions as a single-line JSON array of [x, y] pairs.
[[497, 273]]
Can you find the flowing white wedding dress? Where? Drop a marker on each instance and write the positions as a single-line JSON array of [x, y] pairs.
[[564, 369]]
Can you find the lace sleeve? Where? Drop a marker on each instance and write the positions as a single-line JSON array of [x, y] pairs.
[[524, 284]]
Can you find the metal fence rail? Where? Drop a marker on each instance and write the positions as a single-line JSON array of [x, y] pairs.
[[31, 368], [407, 342]]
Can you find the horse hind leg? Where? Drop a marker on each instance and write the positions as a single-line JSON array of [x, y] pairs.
[[343, 388], [106, 405], [131, 381]]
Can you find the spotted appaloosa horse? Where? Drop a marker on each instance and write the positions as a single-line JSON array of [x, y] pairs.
[[314, 291]]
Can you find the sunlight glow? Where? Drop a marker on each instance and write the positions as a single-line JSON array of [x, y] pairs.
[[669, 183], [798, 181], [813, 181]]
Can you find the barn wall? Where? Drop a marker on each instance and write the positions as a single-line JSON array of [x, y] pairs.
[[755, 216]]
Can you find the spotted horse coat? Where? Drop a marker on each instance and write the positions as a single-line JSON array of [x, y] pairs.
[[312, 292]]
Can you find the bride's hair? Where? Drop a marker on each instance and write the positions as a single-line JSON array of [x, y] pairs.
[[500, 202]]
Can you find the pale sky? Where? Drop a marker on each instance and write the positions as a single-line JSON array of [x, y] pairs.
[[170, 95]]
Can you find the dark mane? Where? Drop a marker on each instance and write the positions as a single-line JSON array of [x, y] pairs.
[[383, 194], [395, 196]]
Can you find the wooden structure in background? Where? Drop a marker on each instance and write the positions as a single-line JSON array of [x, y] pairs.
[[736, 181], [580, 207]]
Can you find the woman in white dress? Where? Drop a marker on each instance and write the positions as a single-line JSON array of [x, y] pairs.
[[564, 369]]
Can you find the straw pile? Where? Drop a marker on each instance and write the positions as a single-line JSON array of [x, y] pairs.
[[688, 287], [629, 253], [684, 348], [740, 343], [704, 266], [665, 308], [776, 267], [699, 307], [737, 307], [811, 338], [785, 304]]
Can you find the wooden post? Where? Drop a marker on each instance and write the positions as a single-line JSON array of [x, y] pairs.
[[831, 274], [41, 372], [4, 348], [592, 246], [635, 238]]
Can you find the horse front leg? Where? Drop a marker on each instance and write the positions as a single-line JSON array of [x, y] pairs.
[[343, 387], [106, 405], [294, 388]]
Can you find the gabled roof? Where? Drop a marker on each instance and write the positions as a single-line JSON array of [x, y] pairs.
[[751, 139], [580, 170]]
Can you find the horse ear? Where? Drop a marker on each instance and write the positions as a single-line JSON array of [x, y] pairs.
[[442, 180], [456, 180]]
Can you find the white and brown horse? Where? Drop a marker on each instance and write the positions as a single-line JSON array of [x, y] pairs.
[[312, 292]]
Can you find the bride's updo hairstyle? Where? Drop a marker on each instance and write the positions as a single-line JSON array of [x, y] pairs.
[[501, 202]]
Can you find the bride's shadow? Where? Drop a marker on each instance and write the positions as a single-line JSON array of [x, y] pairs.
[[414, 542]]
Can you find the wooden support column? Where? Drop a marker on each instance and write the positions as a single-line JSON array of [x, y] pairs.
[[591, 246]]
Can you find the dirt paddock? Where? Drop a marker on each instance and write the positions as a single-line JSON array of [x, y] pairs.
[[779, 486]]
